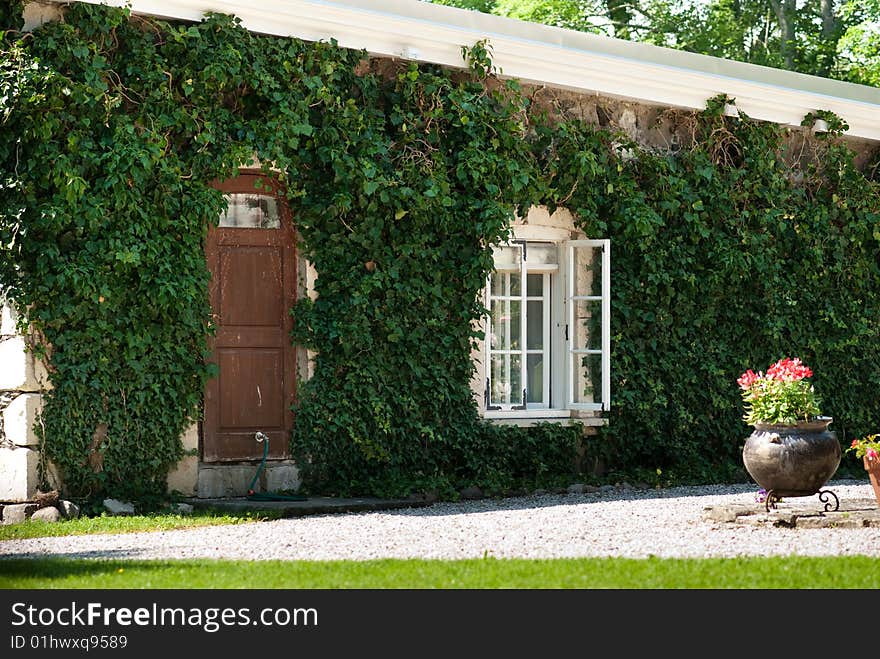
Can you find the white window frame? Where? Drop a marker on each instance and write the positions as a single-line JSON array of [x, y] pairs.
[[521, 298], [560, 353], [574, 352]]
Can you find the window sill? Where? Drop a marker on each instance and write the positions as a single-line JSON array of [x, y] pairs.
[[528, 418], [527, 414]]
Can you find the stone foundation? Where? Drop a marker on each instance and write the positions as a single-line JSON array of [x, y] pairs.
[[223, 481], [193, 478], [23, 378]]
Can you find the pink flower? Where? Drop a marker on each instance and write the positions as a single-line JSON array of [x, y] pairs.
[[789, 370], [747, 379], [867, 447]]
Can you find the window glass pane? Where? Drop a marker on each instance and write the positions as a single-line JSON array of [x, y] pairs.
[[515, 283], [506, 380], [505, 284], [496, 284], [535, 325], [535, 285], [535, 375], [587, 330], [542, 254], [251, 211], [507, 257], [587, 375], [504, 332]]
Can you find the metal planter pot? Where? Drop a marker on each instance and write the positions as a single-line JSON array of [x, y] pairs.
[[793, 460]]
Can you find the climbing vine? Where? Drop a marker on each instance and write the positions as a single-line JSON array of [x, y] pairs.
[[729, 251], [743, 246]]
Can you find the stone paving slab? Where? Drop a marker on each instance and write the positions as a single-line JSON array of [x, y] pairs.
[[799, 513]]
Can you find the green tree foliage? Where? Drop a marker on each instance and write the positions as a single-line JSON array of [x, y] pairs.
[[859, 45], [830, 38]]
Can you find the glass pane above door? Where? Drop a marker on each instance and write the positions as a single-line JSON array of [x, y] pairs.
[[248, 210]]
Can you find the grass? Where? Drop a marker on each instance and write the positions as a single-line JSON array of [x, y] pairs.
[[841, 572], [132, 524], [850, 572]]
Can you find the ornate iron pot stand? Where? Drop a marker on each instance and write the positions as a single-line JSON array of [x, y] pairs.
[[793, 460]]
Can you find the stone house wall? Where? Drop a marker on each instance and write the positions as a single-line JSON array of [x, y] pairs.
[[23, 378]]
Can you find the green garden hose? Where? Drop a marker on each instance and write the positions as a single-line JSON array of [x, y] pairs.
[[268, 496]]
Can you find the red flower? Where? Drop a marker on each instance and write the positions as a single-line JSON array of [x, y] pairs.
[[789, 370], [747, 379]]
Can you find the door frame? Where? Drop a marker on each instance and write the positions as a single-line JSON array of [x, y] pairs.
[[217, 237]]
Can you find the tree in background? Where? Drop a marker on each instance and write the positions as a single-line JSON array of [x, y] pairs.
[[830, 38]]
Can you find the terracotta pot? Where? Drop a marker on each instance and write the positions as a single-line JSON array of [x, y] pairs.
[[792, 459], [873, 469]]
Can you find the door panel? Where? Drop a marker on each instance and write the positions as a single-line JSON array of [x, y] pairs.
[[253, 285], [255, 400]]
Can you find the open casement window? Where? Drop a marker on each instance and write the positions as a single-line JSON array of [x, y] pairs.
[[588, 299], [547, 332]]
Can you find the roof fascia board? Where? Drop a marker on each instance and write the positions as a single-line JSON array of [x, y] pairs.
[[545, 55]]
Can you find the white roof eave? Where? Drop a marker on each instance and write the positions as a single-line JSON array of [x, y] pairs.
[[541, 54]]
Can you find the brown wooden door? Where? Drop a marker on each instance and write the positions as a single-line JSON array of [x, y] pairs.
[[252, 260]]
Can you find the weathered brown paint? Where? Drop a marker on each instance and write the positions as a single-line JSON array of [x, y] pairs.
[[253, 286]]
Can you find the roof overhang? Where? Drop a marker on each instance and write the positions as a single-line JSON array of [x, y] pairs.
[[557, 57]]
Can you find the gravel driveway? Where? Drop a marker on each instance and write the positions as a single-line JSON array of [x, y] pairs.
[[622, 523]]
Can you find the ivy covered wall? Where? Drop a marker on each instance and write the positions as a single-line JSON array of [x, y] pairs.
[[728, 253]]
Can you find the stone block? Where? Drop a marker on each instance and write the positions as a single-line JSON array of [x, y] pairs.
[[116, 507], [428, 496], [827, 522], [730, 513], [47, 514], [541, 216], [69, 509], [185, 476], [8, 321], [471, 493], [19, 418], [53, 476], [17, 513], [719, 514], [223, 481], [283, 476], [18, 473], [190, 438], [37, 13], [19, 369]]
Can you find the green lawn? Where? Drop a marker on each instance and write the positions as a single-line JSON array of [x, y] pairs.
[[851, 572], [132, 524], [652, 573]]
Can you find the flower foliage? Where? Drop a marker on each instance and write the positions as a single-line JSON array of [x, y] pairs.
[[782, 395], [866, 447]]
